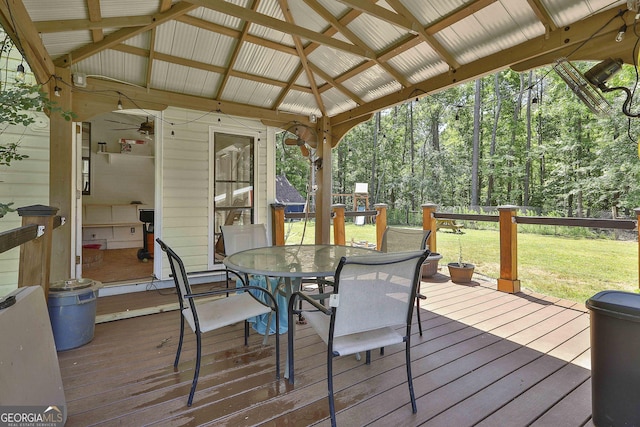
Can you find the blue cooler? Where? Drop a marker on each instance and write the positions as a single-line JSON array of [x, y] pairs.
[[72, 310]]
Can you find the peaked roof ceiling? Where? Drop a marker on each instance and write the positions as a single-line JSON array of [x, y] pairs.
[[295, 58]]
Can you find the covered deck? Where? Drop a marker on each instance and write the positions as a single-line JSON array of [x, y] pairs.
[[486, 358]]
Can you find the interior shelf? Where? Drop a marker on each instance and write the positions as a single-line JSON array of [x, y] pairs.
[[111, 156]]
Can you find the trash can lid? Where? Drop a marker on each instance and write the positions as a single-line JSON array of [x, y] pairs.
[[615, 302], [70, 285]]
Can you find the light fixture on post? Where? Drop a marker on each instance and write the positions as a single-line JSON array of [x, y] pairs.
[[20, 73]]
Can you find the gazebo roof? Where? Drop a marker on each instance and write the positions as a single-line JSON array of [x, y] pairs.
[[288, 60]]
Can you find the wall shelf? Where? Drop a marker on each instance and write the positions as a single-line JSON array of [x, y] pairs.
[[111, 156]]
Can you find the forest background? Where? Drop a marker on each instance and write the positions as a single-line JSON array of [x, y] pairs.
[[521, 139]]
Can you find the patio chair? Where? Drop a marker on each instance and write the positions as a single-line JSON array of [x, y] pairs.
[[396, 239], [239, 238], [371, 300], [204, 313]]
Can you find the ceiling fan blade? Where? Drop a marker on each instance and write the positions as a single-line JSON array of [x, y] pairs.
[[304, 150]]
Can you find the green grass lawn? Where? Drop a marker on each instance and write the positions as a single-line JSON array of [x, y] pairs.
[[570, 268]]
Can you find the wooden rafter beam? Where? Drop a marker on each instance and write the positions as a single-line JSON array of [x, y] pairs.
[[236, 51], [458, 15], [557, 42], [303, 58], [202, 66], [16, 21], [105, 88], [276, 24], [86, 24], [353, 38], [419, 28], [542, 14], [95, 15], [115, 38], [335, 84]]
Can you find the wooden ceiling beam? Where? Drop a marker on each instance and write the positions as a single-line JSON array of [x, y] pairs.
[[117, 37], [562, 40], [95, 15], [458, 15], [16, 21], [542, 14], [428, 38], [306, 65], [46, 27], [98, 87], [278, 25], [236, 51], [199, 65]]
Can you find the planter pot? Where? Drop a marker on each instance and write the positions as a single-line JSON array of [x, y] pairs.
[[430, 266], [460, 274]]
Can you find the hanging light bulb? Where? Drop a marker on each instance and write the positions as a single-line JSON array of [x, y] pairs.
[[119, 102], [56, 90], [20, 73], [219, 122], [621, 33]]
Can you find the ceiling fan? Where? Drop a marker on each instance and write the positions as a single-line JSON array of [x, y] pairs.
[[586, 85], [145, 128], [302, 136], [579, 84]]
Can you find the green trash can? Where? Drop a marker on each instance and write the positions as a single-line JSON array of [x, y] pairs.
[[72, 311], [615, 358]]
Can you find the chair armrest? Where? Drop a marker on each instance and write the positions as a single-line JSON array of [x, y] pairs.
[[274, 305], [312, 301]]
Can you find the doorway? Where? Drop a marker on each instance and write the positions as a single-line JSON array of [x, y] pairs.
[[118, 194]]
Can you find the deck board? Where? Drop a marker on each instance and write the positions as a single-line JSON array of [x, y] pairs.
[[485, 358]]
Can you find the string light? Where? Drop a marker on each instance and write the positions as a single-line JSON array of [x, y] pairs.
[[56, 90], [119, 101], [20, 73], [621, 33]]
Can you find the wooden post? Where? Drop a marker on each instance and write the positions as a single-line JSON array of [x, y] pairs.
[[381, 222], [638, 222], [338, 224], [429, 223], [508, 281], [277, 224], [35, 255]]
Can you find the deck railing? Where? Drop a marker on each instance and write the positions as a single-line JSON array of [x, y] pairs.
[[34, 238], [508, 227]]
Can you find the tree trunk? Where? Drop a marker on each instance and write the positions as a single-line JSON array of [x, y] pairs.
[[494, 133], [475, 194], [527, 165], [374, 157]]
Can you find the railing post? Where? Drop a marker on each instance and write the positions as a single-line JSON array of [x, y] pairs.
[[429, 223], [277, 224], [338, 224], [381, 222], [35, 255], [508, 281], [638, 228]]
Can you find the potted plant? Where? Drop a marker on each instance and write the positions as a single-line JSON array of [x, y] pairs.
[[460, 272]]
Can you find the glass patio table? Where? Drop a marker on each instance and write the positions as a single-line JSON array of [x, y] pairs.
[[290, 264]]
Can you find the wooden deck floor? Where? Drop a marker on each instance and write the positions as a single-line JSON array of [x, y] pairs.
[[486, 358]]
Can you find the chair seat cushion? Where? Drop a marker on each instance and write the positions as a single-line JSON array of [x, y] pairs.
[[214, 314], [353, 343]]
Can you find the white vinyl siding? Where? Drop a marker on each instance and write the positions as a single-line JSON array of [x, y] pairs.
[[185, 191], [24, 183]]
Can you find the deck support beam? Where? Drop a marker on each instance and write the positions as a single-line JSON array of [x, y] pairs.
[[508, 281], [338, 224], [429, 223]]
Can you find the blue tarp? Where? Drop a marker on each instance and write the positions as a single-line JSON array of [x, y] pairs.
[[260, 322]]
